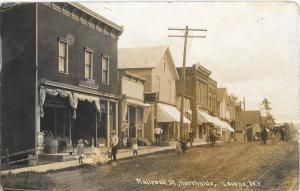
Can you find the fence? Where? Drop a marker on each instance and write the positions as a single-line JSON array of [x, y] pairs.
[[9, 159]]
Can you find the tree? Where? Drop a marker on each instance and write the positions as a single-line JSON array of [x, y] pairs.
[[269, 119]]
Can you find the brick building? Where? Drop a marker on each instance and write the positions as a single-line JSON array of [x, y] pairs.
[[59, 74], [203, 91]]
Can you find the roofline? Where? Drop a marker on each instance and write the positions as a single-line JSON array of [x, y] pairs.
[[97, 16], [138, 78], [173, 63]]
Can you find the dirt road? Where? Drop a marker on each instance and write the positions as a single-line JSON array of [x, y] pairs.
[[230, 167]]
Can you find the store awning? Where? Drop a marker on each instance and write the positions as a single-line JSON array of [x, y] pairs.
[[228, 126], [137, 102], [91, 99], [169, 113], [223, 124], [204, 117]]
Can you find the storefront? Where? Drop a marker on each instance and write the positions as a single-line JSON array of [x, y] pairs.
[[67, 116], [208, 123], [168, 119], [134, 114]]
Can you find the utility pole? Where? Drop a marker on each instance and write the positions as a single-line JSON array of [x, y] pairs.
[[185, 36], [244, 103], [156, 100]]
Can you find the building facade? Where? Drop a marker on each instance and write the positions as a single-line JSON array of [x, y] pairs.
[[227, 109], [133, 111], [203, 91], [248, 125], [59, 75], [156, 66], [212, 96]]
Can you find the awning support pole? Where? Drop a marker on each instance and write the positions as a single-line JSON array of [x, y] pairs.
[[108, 124], [70, 126], [116, 119], [96, 125]]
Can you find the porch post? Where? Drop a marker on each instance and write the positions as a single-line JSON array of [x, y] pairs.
[[55, 122], [128, 130], [135, 127], [96, 127], [178, 129], [108, 123], [143, 124], [152, 126], [37, 116], [70, 126], [116, 120]]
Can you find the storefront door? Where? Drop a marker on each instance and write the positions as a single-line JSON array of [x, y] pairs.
[[132, 121]]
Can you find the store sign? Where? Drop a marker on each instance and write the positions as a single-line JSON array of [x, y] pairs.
[[150, 97]]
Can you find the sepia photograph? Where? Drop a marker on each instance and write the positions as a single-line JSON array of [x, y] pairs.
[[126, 95]]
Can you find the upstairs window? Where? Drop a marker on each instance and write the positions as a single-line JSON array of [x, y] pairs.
[[63, 56], [88, 70], [105, 69]]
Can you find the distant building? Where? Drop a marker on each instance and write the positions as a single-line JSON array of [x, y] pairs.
[[250, 128], [156, 66], [203, 91], [212, 97], [227, 106]]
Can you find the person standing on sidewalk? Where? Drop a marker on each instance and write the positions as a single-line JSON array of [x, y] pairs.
[[114, 146], [157, 132], [80, 150], [191, 138], [134, 148]]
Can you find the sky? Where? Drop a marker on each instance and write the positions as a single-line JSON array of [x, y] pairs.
[[251, 48]]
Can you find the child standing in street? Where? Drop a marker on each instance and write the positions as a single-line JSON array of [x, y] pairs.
[[178, 148], [134, 148]]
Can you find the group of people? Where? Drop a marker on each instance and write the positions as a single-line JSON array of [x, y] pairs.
[[275, 132], [113, 148], [114, 141]]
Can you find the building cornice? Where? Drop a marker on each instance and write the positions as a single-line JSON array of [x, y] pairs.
[[199, 68], [87, 17]]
